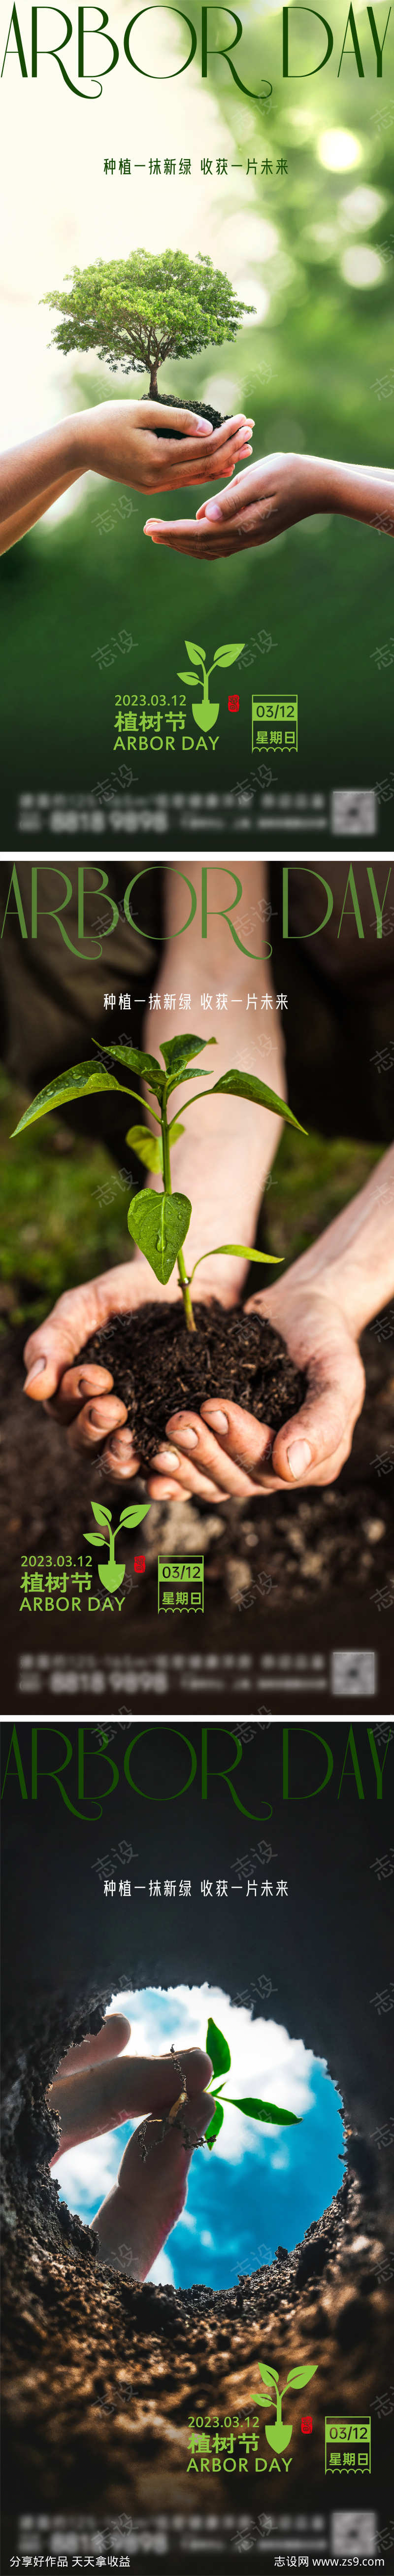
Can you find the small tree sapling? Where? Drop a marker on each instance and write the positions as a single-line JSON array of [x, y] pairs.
[[138, 311], [159, 1220]]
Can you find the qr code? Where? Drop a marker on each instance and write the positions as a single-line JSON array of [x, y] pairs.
[[353, 811], [353, 1674]]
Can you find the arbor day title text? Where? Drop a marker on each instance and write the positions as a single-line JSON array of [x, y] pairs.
[[28, 44]]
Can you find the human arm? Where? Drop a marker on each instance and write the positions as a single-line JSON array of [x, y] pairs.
[[272, 495], [118, 440], [26, 517]]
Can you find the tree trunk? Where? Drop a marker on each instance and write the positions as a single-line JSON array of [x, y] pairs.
[[153, 388]]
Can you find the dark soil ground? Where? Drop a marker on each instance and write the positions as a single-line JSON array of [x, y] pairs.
[[176, 402], [158, 1367]]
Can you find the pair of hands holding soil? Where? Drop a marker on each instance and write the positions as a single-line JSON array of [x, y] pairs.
[[120, 441], [221, 1451], [265, 499], [95, 2088]]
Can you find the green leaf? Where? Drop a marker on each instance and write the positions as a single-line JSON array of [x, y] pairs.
[[133, 1513], [158, 1222], [101, 1515], [189, 676], [73, 1085], [177, 1050], [257, 2398], [175, 1130], [215, 2125], [226, 653], [247, 1086], [256, 2110], [195, 652], [218, 2049], [188, 1073], [146, 1065], [269, 2374], [148, 1148], [245, 1248], [95, 1540], [299, 2378]]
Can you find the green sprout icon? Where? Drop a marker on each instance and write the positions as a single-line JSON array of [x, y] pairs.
[[279, 2434], [205, 710], [111, 1574], [218, 2050]]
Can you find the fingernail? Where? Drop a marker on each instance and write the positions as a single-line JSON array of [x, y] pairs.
[[85, 1384], [120, 1457], [166, 1495], [213, 510], [35, 1371], [189, 1437], [217, 1421], [124, 1439], [95, 1416], [167, 1458], [152, 523], [204, 427], [299, 1457]]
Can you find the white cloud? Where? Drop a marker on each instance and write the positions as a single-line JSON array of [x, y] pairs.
[[87, 2172], [161, 2269]]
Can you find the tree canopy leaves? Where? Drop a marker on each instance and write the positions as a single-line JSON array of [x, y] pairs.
[[154, 305]]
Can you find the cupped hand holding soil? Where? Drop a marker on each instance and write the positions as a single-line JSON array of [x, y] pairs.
[[214, 1437], [134, 443]]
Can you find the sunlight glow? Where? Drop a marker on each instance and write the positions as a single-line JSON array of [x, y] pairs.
[[361, 266], [339, 150]]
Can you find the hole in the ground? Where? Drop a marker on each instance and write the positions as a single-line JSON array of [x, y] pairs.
[[261, 2186]]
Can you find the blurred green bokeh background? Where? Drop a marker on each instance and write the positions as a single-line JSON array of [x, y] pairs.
[[316, 372]]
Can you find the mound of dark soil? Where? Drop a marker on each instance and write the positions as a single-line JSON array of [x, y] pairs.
[[177, 402], [159, 1368]]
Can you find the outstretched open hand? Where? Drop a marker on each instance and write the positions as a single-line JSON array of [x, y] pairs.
[[266, 498], [95, 2088]]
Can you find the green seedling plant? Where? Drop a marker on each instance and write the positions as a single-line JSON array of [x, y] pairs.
[[159, 1220], [111, 1574], [205, 710], [254, 2109], [278, 2435]]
